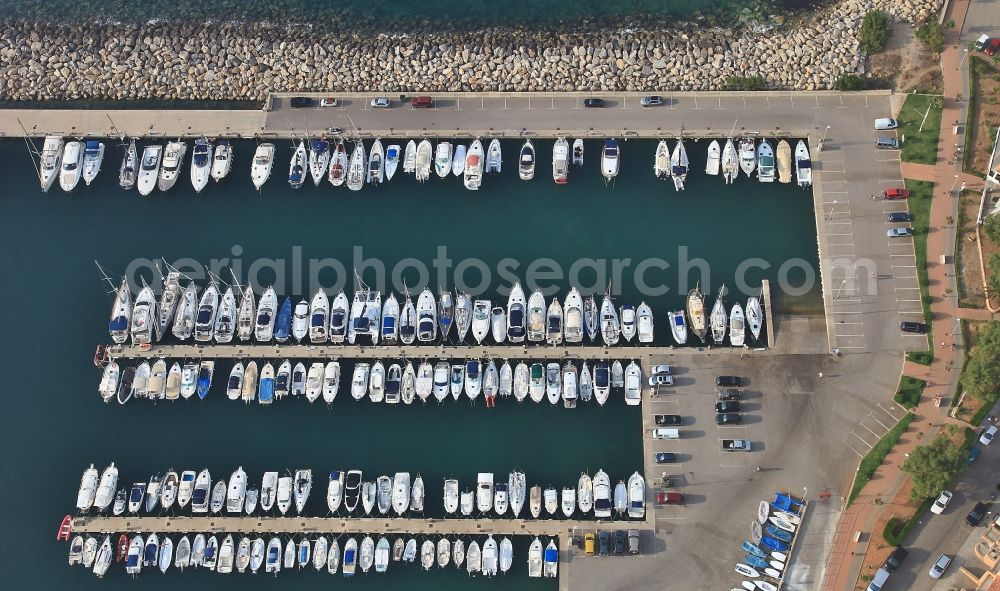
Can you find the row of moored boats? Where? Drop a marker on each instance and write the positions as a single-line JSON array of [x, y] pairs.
[[390, 382], [224, 554], [159, 166]]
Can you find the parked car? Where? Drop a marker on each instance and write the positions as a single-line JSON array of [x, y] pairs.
[[633, 541], [661, 379], [899, 216], [730, 418], [300, 102], [886, 123], [651, 101], [973, 455], [422, 102], [940, 566], [730, 394], [896, 194], [668, 420], [899, 232], [914, 327], [975, 517], [895, 559], [661, 368], [603, 542], [619, 542], [588, 543], [665, 457], [593, 103], [729, 381], [942, 501], [728, 406], [986, 437], [669, 498], [330, 102], [381, 103]]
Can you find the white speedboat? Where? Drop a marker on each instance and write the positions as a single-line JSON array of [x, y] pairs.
[[784, 158], [714, 162], [633, 384], [338, 165], [661, 160], [679, 165], [737, 326], [458, 160], [730, 162], [392, 160], [765, 162], [442, 159], [610, 160], [424, 161], [719, 320], [356, 170], [93, 156], [201, 164], [578, 152], [222, 161], [526, 161], [173, 162], [297, 166], [560, 161], [149, 169], [636, 496], [473, 169], [678, 326], [494, 157], [573, 317], [602, 382], [754, 317], [376, 163], [128, 172], [410, 157], [644, 323], [72, 166], [748, 156], [50, 159], [610, 325], [516, 314], [319, 160], [263, 160], [803, 166]]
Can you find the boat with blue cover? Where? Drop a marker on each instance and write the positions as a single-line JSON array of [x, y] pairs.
[[283, 322]]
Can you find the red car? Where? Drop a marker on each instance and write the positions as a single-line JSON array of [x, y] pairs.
[[669, 498], [896, 194], [992, 47]]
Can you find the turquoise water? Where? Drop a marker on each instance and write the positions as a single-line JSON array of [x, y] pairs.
[[55, 310]]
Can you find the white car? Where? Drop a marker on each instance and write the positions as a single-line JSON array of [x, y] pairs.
[[987, 437], [661, 369], [942, 501], [381, 103], [940, 566]]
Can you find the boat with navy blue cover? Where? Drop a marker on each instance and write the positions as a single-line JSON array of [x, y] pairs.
[[283, 322]]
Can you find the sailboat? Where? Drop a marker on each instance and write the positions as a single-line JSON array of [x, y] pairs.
[[319, 159], [263, 160], [51, 157], [391, 160], [297, 170], [526, 161], [442, 159], [338, 165], [730, 162], [222, 162], [494, 157], [661, 160], [696, 313], [410, 158], [424, 161], [748, 156], [719, 319], [129, 170], [610, 160], [93, 156], [765, 162], [149, 169], [736, 326], [201, 164], [578, 152], [376, 163], [356, 169], [803, 166], [754, 317], [173, 161], [679, 165], [560, 161], [473, 168]]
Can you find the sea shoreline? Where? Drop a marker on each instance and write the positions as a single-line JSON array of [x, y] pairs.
[[166, 60]]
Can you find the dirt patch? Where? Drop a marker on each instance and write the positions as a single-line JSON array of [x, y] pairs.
[[905, 65], [986, 114], [970, 276]]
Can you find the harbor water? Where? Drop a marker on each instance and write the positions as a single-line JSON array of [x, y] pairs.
[[55, 310]]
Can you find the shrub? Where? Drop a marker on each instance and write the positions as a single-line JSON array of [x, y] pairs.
[[850, 82], [874, 31]]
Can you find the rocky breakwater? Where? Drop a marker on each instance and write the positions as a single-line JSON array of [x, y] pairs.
[[236, 61]]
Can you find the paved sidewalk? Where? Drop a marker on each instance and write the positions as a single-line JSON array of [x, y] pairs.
[[847, 559]]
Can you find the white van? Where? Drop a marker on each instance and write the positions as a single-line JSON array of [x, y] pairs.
[[666, 434], [885, 124]]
